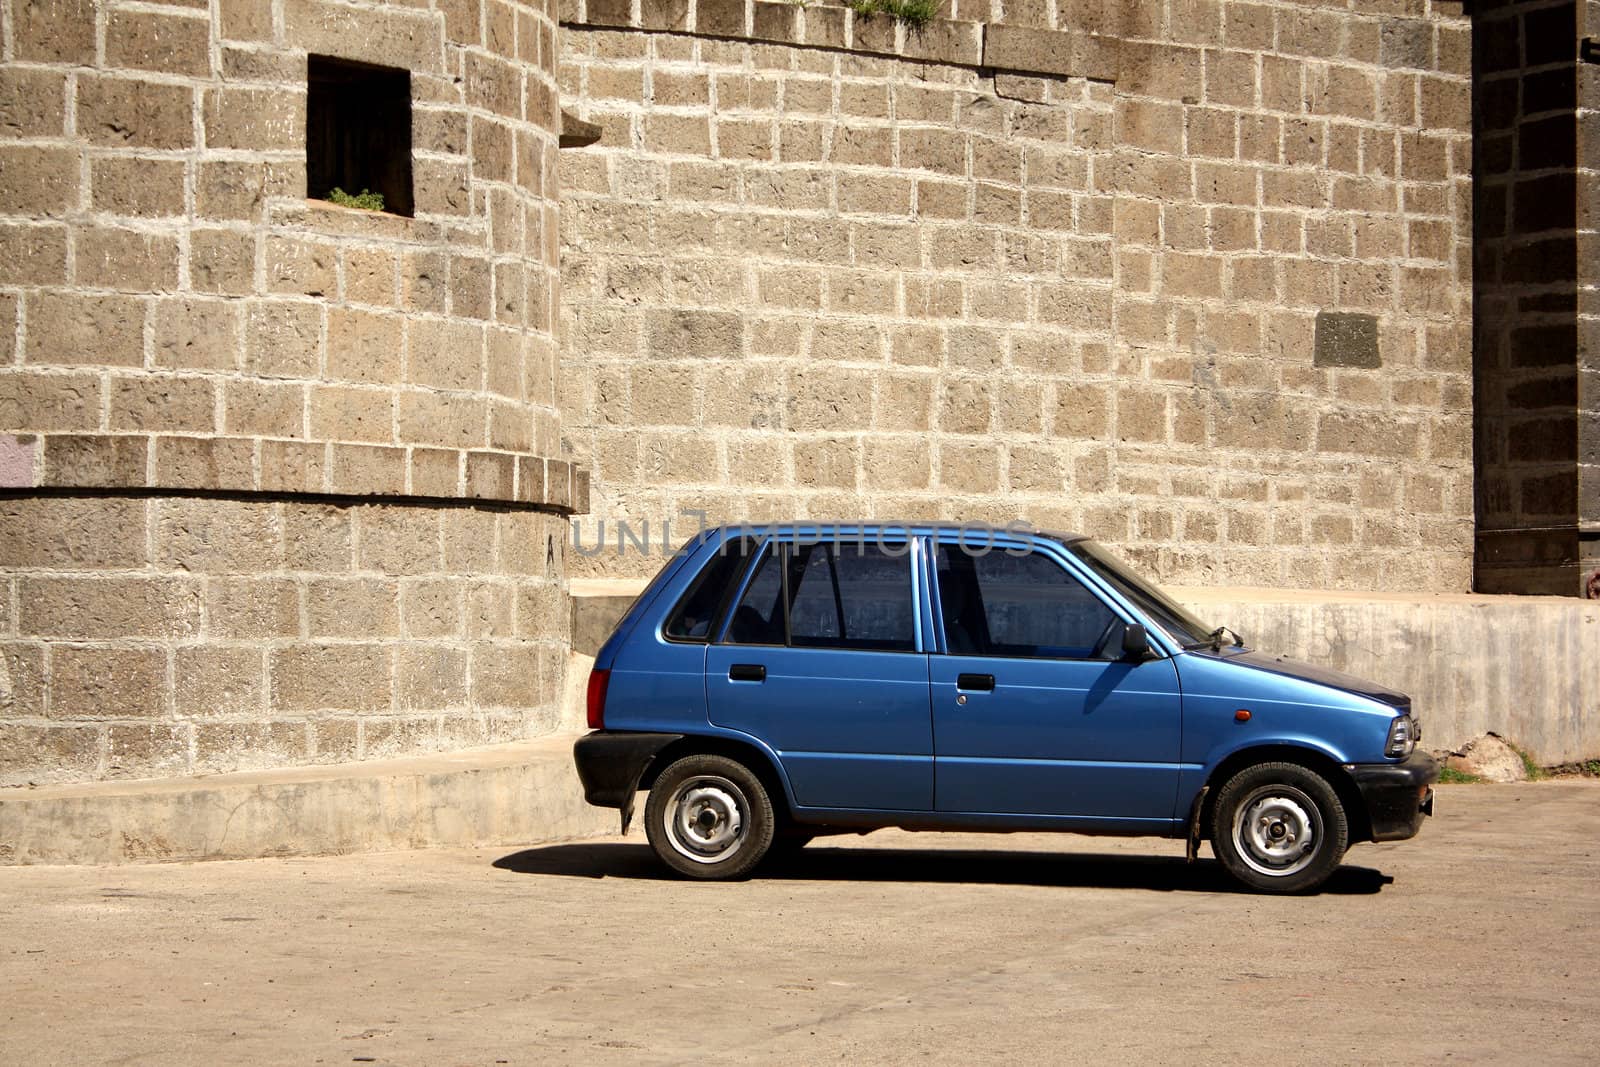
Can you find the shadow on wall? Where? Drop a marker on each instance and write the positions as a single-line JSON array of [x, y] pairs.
[[843, 864]]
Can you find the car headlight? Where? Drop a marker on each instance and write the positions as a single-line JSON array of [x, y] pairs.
[[1403, 734]]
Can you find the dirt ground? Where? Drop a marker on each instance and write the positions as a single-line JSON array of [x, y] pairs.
[[1475, 942]]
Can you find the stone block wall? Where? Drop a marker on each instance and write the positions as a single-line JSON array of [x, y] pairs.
[[1588, 289], [1192, 277], [154, 637], [1538, 419], [279, 480]]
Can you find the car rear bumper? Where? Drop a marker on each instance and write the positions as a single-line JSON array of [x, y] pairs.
[[611, 763], [1398, 796]]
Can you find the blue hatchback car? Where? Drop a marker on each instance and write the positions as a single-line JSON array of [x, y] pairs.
[[776, 683]]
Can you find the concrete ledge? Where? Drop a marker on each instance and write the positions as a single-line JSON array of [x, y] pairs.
[[1524, 667], [503, 795]]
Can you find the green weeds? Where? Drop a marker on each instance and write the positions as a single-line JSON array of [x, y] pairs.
[[914, 14], [365, 200]]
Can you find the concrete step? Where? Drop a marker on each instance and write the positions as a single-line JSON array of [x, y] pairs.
[[520, 793]]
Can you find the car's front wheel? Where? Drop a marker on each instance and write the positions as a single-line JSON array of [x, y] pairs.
[[709, 817], [1279, 828]]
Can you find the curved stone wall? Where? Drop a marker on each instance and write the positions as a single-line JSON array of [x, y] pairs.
[[283, 480], [1193, 277]]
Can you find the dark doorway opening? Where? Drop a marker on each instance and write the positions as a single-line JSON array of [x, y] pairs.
[[358, 131]]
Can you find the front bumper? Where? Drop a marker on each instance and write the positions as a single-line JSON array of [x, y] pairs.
[[1398, 796]]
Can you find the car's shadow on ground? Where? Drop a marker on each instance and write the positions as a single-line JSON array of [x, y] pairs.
[[997, 867]]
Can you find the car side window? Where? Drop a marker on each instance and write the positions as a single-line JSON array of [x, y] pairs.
[[700, 605], [1003, 603], [851, 595], [758, 620]]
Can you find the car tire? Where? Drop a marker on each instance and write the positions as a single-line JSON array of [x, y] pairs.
[[1279, 828], [709, 817]]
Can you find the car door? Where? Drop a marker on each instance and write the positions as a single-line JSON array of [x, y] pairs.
[[821, 658], [1031, 714]]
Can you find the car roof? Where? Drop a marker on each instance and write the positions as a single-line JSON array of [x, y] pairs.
[[911, 526]]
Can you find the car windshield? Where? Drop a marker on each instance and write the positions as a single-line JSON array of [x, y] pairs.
[[1160, 608]]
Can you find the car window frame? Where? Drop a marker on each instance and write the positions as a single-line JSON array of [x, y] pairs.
[[725, 602], [783, 543], [998, 542]]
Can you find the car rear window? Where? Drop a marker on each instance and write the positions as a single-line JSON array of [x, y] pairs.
[[702, 603]]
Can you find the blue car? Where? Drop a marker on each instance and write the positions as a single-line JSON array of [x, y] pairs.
[[776, 683]]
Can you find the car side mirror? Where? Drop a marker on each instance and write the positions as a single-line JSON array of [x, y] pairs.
[[1135, 642]]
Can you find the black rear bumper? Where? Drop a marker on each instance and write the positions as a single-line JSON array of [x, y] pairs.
[[1398, 796], [611, 764]]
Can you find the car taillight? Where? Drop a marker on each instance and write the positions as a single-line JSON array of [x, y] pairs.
[[598, 680]]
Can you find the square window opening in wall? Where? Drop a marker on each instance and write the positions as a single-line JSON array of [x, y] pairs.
[[358, 134]]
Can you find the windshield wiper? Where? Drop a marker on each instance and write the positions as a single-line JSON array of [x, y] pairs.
[[1215, 637]]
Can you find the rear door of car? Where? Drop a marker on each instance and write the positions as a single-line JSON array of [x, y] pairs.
[[821, 657], [1034, 710]]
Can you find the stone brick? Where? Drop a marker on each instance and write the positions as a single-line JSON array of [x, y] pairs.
[[31, 755], [284, 338], [314, 677], [128, 185], [133, 113], [212, 682], [222, 261], [431, 677], [72, 533], [255, 119], [265, 409], [107, 683], [230, 189], [293, 467], [368, 470], [390, 37], [77, 329], [243, 20], [430, 607], [369, 276], [350, 608], [1082, 411], [129, 260], [32, 102], [49, 402], [32, 255], [301, 266], [195, 334], [161, 42], [398, 540], [220, 747], [216, 536], [251, 608], [38, 181], [444, 354], [351, 413], [162, 403], [318, 538]]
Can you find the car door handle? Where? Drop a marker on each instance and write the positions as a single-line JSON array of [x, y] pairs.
[[977, 683], [747, 672]]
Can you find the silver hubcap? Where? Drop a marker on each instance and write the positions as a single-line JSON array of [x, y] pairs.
[[1277, 830], [705, 819]]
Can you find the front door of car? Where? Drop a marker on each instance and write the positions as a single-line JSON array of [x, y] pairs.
[[820, 659], [1035, 712]]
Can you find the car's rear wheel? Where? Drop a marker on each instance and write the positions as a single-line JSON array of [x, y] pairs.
[[1279, 828], [709, 817]]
